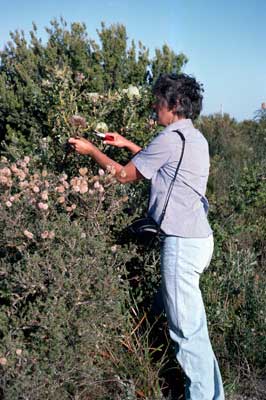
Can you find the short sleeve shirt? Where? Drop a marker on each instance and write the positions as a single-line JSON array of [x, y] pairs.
[[186, 212]]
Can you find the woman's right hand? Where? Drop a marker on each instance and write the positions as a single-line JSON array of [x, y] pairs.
[[118, 140]]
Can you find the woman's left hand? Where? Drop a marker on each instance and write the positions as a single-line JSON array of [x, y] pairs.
[[81, 145]]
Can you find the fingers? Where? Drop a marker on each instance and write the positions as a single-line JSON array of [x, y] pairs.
[[72, 140], [113, 139]]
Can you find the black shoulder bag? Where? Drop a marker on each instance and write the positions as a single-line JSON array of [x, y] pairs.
[[145, 230]]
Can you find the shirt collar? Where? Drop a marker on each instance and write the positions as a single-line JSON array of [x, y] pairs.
[[180, 124]]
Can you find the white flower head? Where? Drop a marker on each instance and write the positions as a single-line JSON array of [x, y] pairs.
[[114, 249], [133, 92], [101, 127]]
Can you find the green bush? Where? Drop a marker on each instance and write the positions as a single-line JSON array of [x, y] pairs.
[[75, 304], [68, 326]]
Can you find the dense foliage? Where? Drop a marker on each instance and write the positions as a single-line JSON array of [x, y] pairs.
[[75, 312]]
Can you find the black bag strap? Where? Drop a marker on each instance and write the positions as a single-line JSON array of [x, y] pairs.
[[182, 137]]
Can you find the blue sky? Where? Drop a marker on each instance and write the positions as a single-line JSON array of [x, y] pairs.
[[224, 41]]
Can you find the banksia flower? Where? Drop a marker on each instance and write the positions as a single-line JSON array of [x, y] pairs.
[[5, 171], [83, 188], [14, 168], [44, 195], [79, 77], [28, 234], [78, 121], [61, 199], [114, 249], [44, 235], [83, 171], [21, 175], [27, 159], [60, 189], [3, 361], [36, 189], [43, 206]]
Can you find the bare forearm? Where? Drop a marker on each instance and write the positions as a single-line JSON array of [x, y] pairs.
[[104, 161], [132, 147], [124, 174]]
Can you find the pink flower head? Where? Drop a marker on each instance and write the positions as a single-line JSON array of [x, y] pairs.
[[60, 189], [51, 235], [101, 172], [76, 188], [101, 189], [44, 235], [36, 189], [44, 195], [61, 199], [63, 178], [21, 175], [8, 204], [14, 168], [23, 184], [28, 234], [74, 181], [83, 171], [83, 188], [3, 180], [27, 159], [5, 171], [3, 361], [43, 206]]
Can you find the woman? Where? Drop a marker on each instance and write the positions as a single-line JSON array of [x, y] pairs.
[[187, 246]]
